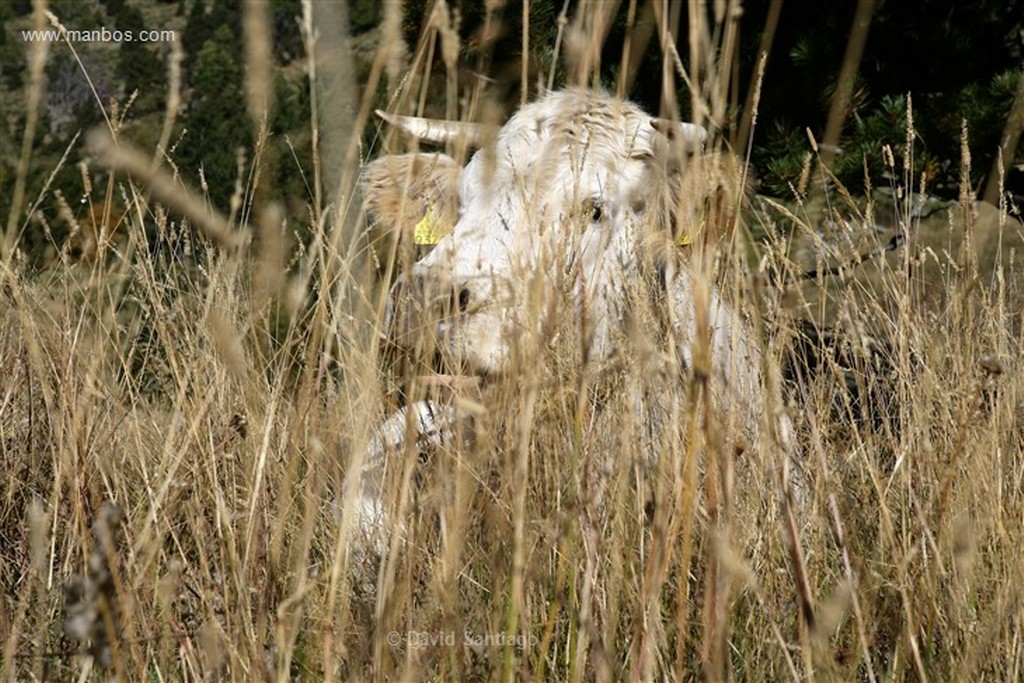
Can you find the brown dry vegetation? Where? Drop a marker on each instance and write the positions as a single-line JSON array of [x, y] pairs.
[[220, 401]]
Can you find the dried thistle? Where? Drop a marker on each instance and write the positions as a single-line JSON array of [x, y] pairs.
[[91, 607]]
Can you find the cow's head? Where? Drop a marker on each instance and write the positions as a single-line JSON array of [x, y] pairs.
[[568, 198]]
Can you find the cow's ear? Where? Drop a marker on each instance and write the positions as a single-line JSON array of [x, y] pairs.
[[704, 199], [412, 196]]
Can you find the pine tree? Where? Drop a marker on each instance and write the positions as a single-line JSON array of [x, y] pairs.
[[198, 30], [12, 58], [137, 64], [217, 122]]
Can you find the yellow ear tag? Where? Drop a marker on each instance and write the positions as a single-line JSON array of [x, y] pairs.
[[429, 230], [685, 237]]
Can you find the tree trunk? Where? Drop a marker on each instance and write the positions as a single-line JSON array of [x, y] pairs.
[[844, 90], [1007, 145]]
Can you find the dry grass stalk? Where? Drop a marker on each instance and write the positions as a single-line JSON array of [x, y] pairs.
[[232, 457]]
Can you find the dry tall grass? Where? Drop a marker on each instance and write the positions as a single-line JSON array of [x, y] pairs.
[[219, 402]]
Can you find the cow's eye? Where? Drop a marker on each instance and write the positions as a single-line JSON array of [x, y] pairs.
[[593, 209]]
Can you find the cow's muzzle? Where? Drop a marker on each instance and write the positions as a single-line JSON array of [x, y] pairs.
[[422, 309]]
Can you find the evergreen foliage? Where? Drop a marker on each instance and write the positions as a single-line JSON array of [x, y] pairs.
[[12, 57], [957, 62], [288, 43], [217, 121], [138, 65]]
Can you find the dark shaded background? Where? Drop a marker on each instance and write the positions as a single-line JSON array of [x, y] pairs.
[[960, 61]]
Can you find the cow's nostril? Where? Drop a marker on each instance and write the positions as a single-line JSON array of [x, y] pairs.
[[419, 303], [403, 287], [464, 299]]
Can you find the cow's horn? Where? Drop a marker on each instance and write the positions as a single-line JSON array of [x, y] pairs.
[[437, 131], [689, 133]]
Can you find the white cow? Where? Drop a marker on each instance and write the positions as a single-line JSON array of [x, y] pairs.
[[576, 206]]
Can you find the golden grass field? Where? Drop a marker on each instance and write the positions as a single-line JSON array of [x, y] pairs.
[[176, 435]]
